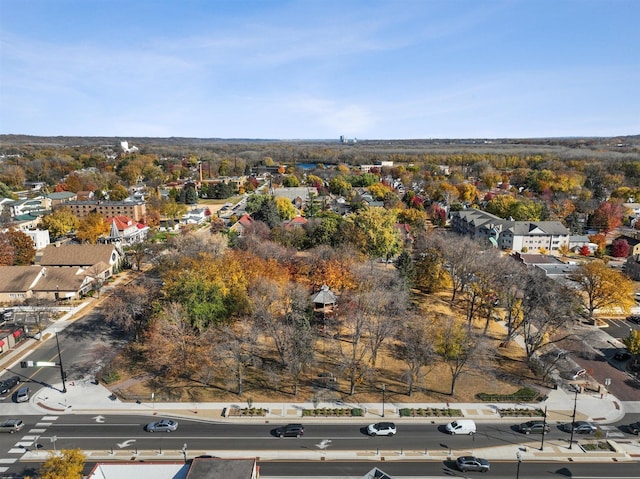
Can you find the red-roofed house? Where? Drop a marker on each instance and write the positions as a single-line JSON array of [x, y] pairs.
[[126, 231], [242, 224], [297, 222]]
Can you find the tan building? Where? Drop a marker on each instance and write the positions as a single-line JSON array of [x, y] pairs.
[[136, 210]]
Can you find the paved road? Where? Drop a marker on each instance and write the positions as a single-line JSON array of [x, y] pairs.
[[597, 358], [125, 432]]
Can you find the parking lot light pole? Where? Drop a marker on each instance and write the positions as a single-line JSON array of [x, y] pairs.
[[519, 457], [384, 387]]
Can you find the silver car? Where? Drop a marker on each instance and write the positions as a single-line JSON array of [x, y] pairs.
[[164, 425], [23, 394], [471, 463]]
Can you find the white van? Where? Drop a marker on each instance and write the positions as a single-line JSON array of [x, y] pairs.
[[461, 426]]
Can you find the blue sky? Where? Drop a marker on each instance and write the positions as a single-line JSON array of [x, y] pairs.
[[318, 69]]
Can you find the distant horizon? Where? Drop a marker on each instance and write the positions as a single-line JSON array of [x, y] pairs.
[[304, 69], [337, 140]]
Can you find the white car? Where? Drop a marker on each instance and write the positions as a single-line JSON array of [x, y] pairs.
[[381, 429]]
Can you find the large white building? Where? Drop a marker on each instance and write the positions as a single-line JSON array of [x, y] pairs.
[[509, 234]]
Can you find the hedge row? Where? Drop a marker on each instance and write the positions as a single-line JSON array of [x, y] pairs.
[[522, 395]]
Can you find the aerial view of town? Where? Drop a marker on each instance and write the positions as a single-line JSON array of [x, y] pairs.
[[222, 259]]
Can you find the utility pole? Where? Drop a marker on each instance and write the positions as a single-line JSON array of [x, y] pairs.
[[384, 388]]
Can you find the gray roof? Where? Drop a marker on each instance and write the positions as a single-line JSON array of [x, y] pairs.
[[213, 468], [77, 254], [529, 228], [61, 195], [324, 296], [18, 278], [296, 192]]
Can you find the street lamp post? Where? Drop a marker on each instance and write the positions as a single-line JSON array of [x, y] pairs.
[[544, 428], [573, 419], [62, 375], [384, 388], [519, 457], [184, 452]]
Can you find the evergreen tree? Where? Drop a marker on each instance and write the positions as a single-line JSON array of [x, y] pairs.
[[268, 213]]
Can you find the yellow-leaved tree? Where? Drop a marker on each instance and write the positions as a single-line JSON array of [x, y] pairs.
[[66, 464], [286, 210], [91, 227], [603, 288]]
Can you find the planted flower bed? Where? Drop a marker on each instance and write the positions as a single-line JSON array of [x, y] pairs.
[[247, 411], [598, 446], [521, 411], [430, 412], [333, 412]]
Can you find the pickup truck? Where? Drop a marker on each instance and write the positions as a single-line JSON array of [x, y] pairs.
[[11, 425]]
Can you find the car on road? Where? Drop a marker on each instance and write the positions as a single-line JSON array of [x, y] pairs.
[[534, 427], [164, 425], [381, 429], [290, 430], [472, 463], [461, 426], [580, 427], [634, 428], [23, 394], [8, 384], [11, 425]]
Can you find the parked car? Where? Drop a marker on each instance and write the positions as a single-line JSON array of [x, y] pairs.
[[8, 384], [580, 427], [534, 427], [634, 428], [622, 356], [472, 463], [23, 394], [578, 373], [381, 429], [290, 430], [11, 425], [164, 425], [634, 318]]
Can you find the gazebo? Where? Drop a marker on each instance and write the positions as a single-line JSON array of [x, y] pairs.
[[323, 298]]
